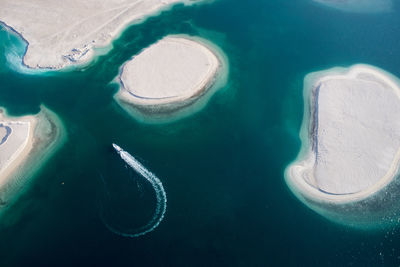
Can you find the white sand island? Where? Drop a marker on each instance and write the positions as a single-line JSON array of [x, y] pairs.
[[348, 166], [63, 33], [359, 6], [170, 75], [25, 144]]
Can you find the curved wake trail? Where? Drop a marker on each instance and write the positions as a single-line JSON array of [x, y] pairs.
[[161, 196]]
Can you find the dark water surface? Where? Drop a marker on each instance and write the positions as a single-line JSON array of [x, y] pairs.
[[222, 168]]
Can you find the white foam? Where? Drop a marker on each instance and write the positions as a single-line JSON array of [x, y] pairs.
[[161, 196]]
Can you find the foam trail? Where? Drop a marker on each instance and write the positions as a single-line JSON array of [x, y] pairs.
[[161, 196]]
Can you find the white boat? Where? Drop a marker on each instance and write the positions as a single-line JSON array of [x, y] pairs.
[[116, 147]]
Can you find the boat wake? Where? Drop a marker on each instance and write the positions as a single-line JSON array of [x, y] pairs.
[[161, 197]]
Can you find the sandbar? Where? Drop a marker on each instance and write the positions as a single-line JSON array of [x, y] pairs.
[[25, 144], [350, 155], [359, 6], [64, 33], [170, 75]]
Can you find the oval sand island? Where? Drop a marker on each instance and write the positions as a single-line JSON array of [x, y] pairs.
[[25, 144], [170, 76], [347, 169], [63, 33], [359, 6]]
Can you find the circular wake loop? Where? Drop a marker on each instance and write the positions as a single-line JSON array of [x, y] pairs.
[[161, 197]]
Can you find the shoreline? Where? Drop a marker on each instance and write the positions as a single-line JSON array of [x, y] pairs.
[[22, 152], [362, 7], [298, 174], [46, 137], [171, 108], [23, 40], [92, 51]]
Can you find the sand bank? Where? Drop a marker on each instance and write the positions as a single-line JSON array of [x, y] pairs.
[[25, 144], [348, 165], [170, 75], [63, 33], [359, 6]]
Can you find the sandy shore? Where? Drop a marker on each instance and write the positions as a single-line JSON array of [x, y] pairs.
[[350, 143], [63, 33], [17, 144], [26, 143], [359, 6], [169, 75]]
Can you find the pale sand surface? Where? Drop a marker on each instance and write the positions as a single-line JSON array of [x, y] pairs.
[[17, 146], [352, 132], [62, 33], [359, 6], [169, 72], [25, 148]]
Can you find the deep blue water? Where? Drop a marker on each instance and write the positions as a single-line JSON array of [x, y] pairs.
[[222, 168]]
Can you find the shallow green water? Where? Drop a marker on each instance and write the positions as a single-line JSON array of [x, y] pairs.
[[222, 168]]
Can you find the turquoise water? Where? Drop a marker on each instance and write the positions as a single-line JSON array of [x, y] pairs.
[[222, 168]]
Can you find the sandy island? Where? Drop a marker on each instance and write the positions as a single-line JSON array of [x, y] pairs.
[[348, 166], [25, 143], [63, 33], [359, 6], [170, 75]]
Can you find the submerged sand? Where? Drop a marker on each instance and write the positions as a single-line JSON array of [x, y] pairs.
[[168, 76], [25, 144], [63, 33], [359, 6], [351, 141]]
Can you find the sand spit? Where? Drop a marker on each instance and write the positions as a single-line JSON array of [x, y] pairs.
[[169, 76], [359, 6], [63, 33], [25, 144], [347, 169]]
